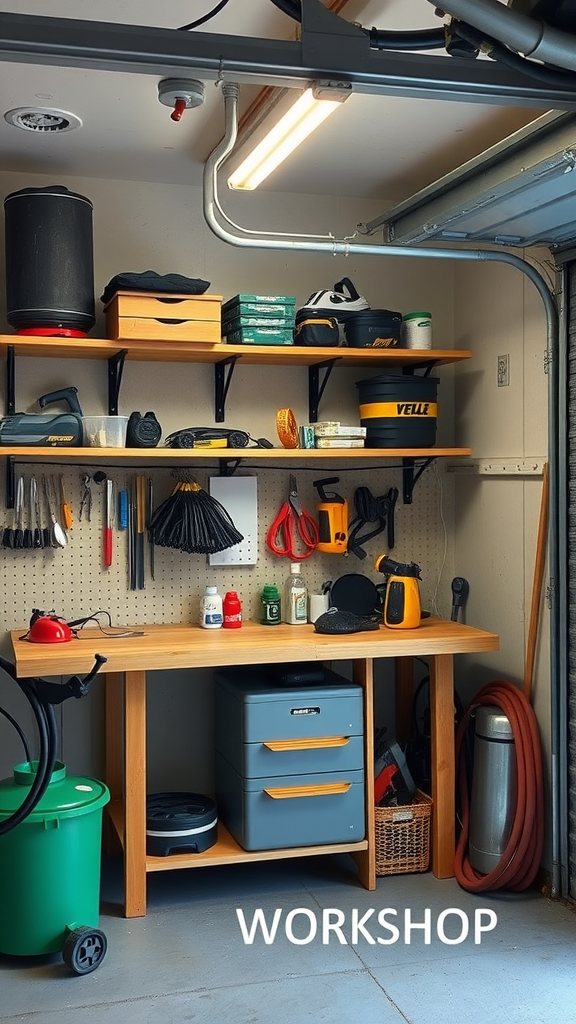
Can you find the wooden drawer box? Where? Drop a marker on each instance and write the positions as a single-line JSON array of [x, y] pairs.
[[160, 316]]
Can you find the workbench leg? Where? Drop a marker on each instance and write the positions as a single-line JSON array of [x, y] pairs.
[[404, 726], [443, 766], [135, 794], [363, 674], [113, 748]]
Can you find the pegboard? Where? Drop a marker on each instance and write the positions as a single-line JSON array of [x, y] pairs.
[[74, 581]]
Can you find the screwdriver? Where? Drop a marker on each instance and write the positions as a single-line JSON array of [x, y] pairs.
[[108, 526], [123, 510], [66, 511]]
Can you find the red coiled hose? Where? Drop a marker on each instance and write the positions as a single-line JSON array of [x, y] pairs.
[[521, 858]]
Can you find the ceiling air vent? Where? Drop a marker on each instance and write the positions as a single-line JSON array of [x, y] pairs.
[[42, 120]]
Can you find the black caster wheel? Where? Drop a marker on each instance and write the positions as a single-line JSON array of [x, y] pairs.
[[84, 949]]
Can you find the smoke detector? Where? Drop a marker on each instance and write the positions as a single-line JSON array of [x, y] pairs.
[[44, 120]]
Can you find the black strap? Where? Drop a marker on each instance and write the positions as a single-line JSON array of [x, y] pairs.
[[371, 510], [346, 284]]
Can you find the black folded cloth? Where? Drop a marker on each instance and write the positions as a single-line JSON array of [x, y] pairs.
[[150, 281]]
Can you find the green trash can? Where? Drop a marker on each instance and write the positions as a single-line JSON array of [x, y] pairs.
[[50, 869]]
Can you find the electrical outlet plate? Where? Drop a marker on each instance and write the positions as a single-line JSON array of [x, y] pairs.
[[503, 371], [239, 496]]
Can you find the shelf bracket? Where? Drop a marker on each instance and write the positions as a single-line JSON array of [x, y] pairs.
[[115, 368], [221, 384], [410, 477], [228, 466], [10, 410], [316, 386], [10, 481], [427, 366], [10, 381]]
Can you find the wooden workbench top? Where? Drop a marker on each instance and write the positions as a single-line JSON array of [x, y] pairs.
[[190, 646]]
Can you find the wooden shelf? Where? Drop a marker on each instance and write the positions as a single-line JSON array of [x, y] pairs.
[[224, 358], [181, 456], [195, 352], [226, 850]]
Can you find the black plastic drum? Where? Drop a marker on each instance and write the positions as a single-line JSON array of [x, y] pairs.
[[399, 411], [49, 259]]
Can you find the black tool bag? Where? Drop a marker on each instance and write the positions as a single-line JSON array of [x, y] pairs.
[[316, 328]]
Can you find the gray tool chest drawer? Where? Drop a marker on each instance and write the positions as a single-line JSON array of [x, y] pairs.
[[290, 760]]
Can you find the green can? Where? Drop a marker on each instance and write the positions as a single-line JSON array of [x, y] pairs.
[[270, 603], [50, 863]]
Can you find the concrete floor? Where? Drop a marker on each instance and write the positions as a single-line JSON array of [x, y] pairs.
[[187, 960]]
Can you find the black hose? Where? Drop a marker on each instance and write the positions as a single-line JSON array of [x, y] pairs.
[[380, 39], [290, 7], [502, 55], [47, 732], [20, 732], [42, 695], [421, 39], [205, 17]]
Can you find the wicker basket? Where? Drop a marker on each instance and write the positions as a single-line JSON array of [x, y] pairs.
[[403, 837]]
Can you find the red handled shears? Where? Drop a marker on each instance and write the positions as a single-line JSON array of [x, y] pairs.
[[293, 523]]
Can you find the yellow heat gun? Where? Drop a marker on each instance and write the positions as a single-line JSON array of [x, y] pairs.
[[332, 519], [402, 609]]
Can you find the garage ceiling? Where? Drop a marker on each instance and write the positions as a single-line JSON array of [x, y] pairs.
[[373, 147]]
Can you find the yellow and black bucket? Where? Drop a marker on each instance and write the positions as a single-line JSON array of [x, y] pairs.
[[399, 411]]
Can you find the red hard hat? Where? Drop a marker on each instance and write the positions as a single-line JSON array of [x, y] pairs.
[[48, 629]]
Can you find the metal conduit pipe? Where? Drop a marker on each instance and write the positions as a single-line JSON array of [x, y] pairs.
[[527, 35], [231, 233]]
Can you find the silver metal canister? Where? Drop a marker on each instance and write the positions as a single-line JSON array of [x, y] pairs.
[[494, 789]]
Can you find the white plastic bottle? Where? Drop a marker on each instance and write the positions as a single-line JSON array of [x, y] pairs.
[[295, 597], [211, 616]]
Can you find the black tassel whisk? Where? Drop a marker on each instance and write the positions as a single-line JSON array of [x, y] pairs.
[[192, 520]]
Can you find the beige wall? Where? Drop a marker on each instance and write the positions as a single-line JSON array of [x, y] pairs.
[[498, 311]]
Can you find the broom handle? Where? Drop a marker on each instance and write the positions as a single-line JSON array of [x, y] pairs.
[[537, 585]]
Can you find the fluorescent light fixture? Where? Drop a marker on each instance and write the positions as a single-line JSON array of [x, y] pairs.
[[302, 118]]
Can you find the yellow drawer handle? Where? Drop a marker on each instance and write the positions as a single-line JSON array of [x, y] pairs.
[[322, 789], [314, 743]]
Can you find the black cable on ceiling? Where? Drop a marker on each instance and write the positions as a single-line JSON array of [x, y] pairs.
[[380, 39], [290, 7], [501, 54], [204, 18], [422, 39]]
